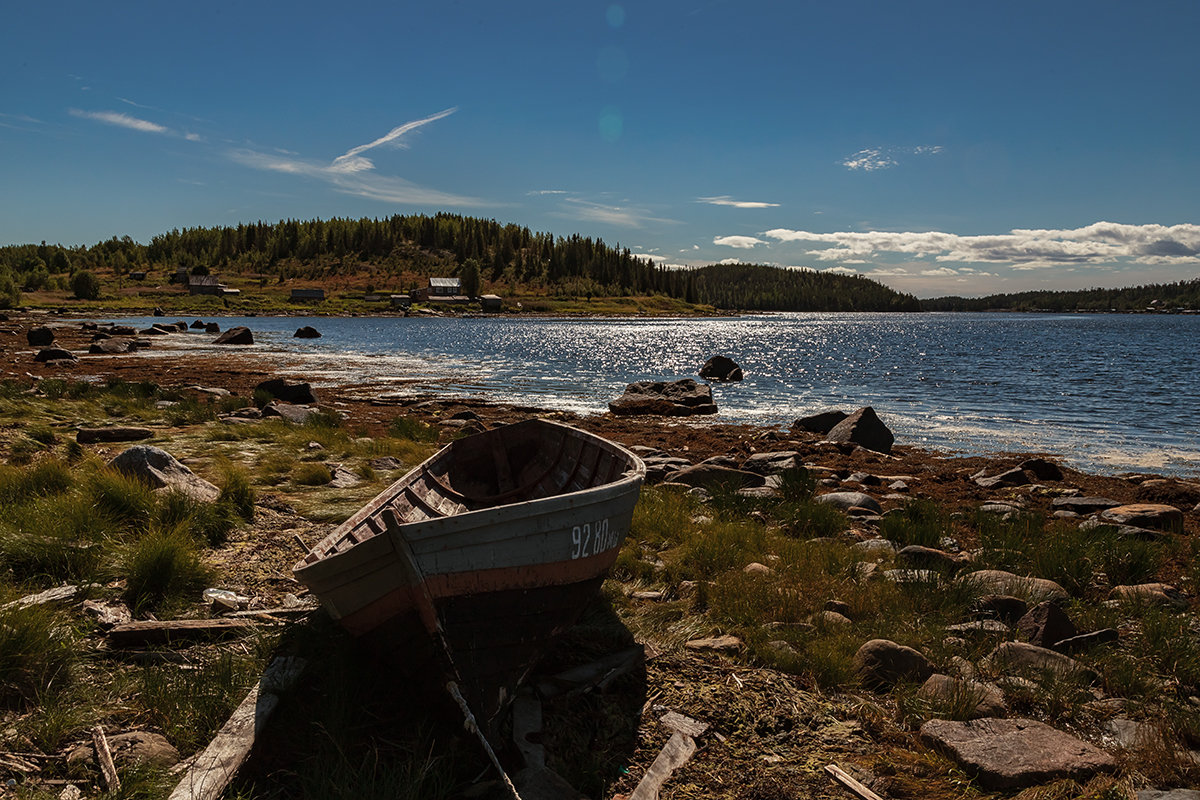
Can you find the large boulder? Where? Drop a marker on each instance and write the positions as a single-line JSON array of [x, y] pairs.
[[865, 429], [307, 332], [721, 368], [1015, 753], [998, 581], [1029, 659], [163, 471], [821, 423], [109, 347], [1082, 505], [848, 500], [41, 336], [971, 699], [881, 663], [288, 391], [680, 398], [236, 335], [1145, 515], [54, 354], [711, 476]]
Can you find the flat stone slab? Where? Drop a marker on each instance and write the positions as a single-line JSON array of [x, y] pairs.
[[1015, 753]]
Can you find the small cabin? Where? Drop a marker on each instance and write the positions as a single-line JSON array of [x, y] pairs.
[[307, 294], [205, 284], [400, 301], [444, 287], [491, 303]]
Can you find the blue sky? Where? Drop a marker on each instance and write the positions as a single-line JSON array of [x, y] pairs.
[[940, 147]]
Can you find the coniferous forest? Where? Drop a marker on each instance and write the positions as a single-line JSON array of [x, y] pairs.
[[392, 254]]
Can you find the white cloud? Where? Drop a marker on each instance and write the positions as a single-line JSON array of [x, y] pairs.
[[874, 158], [1096, 244], [841, 270], [352, 160], [120, 120], [726, 200], [869, 160], [740, 242], [728, 261], [352, 173], [649, 257], [547, 191], [939, 271]]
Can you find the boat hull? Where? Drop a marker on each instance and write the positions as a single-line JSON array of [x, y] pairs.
[[496, 584]]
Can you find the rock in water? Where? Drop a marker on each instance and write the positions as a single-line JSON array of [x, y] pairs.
[[237, 335], [863, 428], [1015, 753], [162, 470], [198, 325], [681, 398], [307, 332], [212, 327], [721, 368], [288, 391], [109, 347]]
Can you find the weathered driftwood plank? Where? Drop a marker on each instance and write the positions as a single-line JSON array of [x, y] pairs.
[[108, 770], [57, 594], [216, 765], [849, 783], [598, 673], [686, 725], [161, 632], [675, 753], [527, 728]]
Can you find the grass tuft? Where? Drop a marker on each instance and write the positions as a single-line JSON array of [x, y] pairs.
[[37, 654], [311, 474], [164, 566], [412, 429]]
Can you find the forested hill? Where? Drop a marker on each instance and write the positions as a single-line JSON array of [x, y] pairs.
[[1159, 296], [398, 253]]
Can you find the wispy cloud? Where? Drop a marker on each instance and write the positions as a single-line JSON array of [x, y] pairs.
[[740, 242], [1096, 244], [352, 160], [876, 158], [621, 216], [120, 120], [726, 200], [352, 173], [540, 192]]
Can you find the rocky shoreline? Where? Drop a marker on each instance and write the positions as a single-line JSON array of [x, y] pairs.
[[1020, 633]]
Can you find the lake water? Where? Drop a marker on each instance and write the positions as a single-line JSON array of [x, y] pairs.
[[1105, 392]]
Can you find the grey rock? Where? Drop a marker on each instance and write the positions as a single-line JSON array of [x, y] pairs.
[[1015, 753], [109, 347], [1013, 477], [1168, 794], [41, 336], [1082, 505], [47, 354], [710, 476], [236, 335], [297, 415], [848, 500], [882, 663], [677, 399], [298, 392], [1154, 516], [1001, 582], [306, 332], [821, 423], [659, 467], [131, 748], [721, 368], [839, 606], [915, 555], [343, 478], [1042, 469], [771, 463], [1154, 594], [1023, 658], [970, 698], [114, 434], [829, 619], [865, 429], [1046, 625], [384, 463], [1001, 606], [163, 471]]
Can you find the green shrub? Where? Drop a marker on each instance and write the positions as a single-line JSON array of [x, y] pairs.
[[311, 474], [237, 492], [921, 522], [162, 566], [55, 538], [210, 522], [41, 480], [37, 654], [412, 429], [123, 499]]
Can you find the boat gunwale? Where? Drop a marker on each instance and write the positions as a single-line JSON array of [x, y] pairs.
[[634, 477]]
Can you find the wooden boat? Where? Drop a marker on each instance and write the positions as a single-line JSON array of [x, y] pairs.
[[487, 550]]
